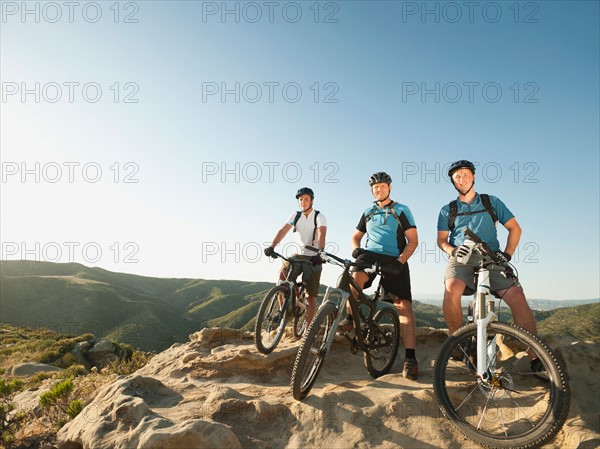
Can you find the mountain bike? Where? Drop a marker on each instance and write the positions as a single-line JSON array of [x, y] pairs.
[[376, 329], [284, 302], [483, 379]]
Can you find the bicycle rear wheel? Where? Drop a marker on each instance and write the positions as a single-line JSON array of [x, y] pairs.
[[270, 320], [515, 408], [299, 321], [311, 354], [383, 342]]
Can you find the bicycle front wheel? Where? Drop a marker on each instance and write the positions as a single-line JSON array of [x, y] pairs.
[[311, 354], [515, 408], [270, 320], [383, 340]]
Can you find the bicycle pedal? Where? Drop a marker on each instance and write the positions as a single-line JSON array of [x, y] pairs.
[[348, 334]]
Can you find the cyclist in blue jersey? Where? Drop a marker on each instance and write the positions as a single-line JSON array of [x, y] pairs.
[[391, 240], [479, 213]]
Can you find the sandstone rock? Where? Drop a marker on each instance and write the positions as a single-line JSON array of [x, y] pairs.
[[127, 414], [218, 391], [29, 400], [212, 336], [29, 369], [80, 351], [102, 353]]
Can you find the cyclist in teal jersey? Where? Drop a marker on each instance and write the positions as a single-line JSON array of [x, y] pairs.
[[479, 213], [391, 239]]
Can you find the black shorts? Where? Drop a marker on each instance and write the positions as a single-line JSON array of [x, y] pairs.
[[396, 285]]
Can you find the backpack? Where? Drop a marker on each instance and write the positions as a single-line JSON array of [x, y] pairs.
[[485, 200], [391, 207], [298, 215]]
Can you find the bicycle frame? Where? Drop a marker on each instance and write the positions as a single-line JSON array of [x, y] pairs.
[[343, 290], [296, 289], [485, 351]]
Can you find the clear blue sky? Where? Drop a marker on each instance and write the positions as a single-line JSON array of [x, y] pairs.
[[328, 93]]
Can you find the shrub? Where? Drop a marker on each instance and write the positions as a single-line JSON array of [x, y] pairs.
[[48, 356], [41, 376], [74, 408], [66, 360], [124, 350], [76, 370], [9, 421], [137, 360], [58, 405]]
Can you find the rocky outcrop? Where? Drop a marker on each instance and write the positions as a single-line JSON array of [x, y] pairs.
[[218, 391], [102, 353], [79, 352], [126, 414]]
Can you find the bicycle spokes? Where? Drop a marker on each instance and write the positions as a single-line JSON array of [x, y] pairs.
[[506, 407], [270, 320]]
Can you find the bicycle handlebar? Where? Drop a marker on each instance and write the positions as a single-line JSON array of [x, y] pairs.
[[275, 255], [291, 260], [374, 268], [486, 250]]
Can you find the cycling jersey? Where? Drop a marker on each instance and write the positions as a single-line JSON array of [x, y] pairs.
[[385, 234], [477, 219]]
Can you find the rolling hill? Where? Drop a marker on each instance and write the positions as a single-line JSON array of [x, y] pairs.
[[149, 313], [153, 313]]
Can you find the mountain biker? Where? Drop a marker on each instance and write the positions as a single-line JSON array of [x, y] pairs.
[[311, 227], [391, 240], [478, 213]]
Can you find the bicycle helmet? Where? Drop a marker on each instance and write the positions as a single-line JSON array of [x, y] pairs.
[[460, 164], [378, 177], [305, 191]]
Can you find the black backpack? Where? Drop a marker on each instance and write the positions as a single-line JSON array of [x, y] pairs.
[[393, 212], [298, 214], [485, 200]]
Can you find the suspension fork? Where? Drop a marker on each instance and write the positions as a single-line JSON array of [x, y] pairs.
[[485, 352], [341, 309], [347, 284], [287, 300]]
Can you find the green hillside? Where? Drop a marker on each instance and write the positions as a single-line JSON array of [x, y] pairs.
[[581, 322], [149, 313], [22, 344], [153, 313]]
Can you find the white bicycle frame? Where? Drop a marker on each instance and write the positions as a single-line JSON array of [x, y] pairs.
[[485, 351], [291, 286]]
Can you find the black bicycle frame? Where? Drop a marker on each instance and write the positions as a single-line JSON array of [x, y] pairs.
[[346, 282]]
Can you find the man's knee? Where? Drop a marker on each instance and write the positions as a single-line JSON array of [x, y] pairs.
[[513, 296], [455, 286], [360, 278], [401, 304]]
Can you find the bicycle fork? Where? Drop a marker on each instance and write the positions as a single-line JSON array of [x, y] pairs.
[[486, 353], [341, 308], [287, 304]]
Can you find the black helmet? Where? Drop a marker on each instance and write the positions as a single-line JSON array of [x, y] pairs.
[[460, 164], [305, 191], [378, 177]]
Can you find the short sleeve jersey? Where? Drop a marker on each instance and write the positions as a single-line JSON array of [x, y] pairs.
[[385, 235], [479, 221], [305, 229]]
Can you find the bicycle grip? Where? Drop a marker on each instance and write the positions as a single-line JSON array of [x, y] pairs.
[[473, 236]]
